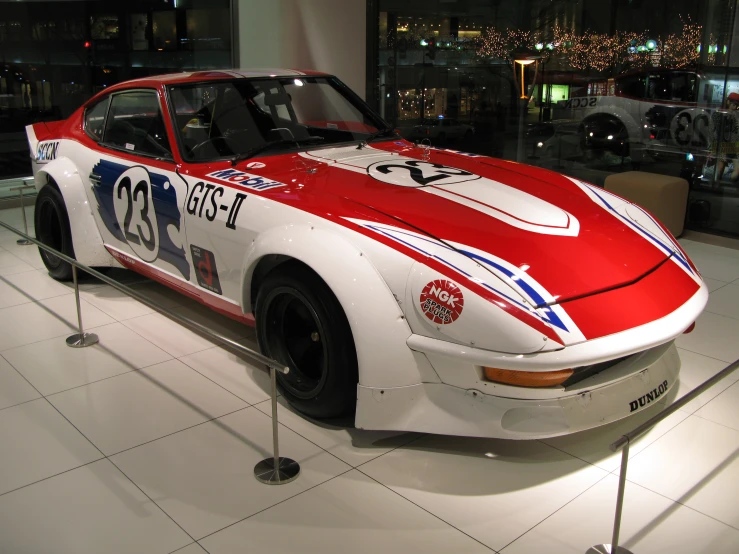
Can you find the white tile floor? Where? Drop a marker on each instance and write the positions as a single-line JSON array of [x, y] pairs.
[[146, 443]]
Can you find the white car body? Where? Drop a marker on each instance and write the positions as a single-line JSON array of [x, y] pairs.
[[213, 228]]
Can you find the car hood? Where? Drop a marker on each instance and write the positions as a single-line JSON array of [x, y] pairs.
[[570, 238]]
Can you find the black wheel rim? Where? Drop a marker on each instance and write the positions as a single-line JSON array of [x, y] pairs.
[[49, 232], [295, 337]]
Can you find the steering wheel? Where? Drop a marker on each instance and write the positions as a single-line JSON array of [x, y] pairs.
[[209, 140], [228, 134]]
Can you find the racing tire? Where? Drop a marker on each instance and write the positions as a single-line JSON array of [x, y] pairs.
[[52, 229], [301, 324]]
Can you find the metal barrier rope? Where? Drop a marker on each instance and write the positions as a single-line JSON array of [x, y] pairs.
[[625, 440], [287, 470], [20, 189]]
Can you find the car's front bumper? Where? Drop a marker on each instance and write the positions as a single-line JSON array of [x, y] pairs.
[[447, 409]]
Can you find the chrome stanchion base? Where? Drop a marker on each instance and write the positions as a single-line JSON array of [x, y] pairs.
[[265, 472], [81, 341], [606, 549], [23, 242]]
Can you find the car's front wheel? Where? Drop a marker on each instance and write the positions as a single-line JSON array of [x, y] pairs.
[[52, 229], [301, 324]]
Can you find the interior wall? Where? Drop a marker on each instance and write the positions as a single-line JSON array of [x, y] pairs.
[[325, 35]]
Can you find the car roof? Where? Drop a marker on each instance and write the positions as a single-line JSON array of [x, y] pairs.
[[215, 75]]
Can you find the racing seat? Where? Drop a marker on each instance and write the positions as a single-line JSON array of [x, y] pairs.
[[233, 121]]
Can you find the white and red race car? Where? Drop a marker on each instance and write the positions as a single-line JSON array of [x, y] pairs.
[[420, 289]]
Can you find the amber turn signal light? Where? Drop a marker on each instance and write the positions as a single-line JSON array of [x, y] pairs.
[[527, 378]]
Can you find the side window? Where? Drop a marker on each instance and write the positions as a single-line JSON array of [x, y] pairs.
[[135, 124], [631, 86], [95, 119]]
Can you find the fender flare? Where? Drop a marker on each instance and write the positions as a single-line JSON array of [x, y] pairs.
[[377, 323], [88, 244]]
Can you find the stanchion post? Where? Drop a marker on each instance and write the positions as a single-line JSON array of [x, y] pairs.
[[23, 242], [276, 470], [81, 339], [614, 548]]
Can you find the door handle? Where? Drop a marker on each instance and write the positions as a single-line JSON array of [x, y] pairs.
[[95, 179]]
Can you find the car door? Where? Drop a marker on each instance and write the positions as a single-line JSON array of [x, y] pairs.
[[136, 193]]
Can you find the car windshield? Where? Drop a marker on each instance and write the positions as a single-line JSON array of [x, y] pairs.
[[223, 119]]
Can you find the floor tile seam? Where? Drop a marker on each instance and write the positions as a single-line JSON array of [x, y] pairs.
[[188, 546], [617, 470], [725, 284], [118, 319], [183, 547], [701, 353], [153, 310], [274, 505], [562, 507], [735, 318], [211, 344], [177, 432], [714, 422], [159, 347], [301, 435], [34, 270], [152, 500], [36, 300], [109, 377], [427, 511], [21, 403], [14, 272], [69, 332], [679, 503], [250, 404], [23, 377], [51, 476], [328, 451], [735, 372], [411, 441], [6, 251], [75, 427], [571, 455]]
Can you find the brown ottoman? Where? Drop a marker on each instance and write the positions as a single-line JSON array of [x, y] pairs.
[[666, 197]]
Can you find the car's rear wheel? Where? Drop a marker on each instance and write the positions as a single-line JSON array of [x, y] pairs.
[[301, 324], [52, 229]]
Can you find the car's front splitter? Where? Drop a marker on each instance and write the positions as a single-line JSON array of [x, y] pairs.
[[445, 409]]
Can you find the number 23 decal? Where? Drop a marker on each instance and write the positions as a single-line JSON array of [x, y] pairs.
[[134, 211], [414, 173]]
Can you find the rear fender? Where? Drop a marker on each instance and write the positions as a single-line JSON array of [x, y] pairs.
[[39, 132], [88, 245], [377, 323]]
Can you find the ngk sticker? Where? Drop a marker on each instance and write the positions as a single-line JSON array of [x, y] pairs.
[[442, 301]]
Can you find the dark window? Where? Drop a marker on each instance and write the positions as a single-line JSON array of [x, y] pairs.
[[632, 86], [95, 119], [683, 87], [226, 118], [135, 124]]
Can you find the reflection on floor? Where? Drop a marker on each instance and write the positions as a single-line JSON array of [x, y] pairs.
[[146, 443]]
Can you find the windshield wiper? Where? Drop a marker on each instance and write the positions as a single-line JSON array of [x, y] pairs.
[[271, 144], [385, 132]]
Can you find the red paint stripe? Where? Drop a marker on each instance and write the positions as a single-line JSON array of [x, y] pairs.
[[214, 302]]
